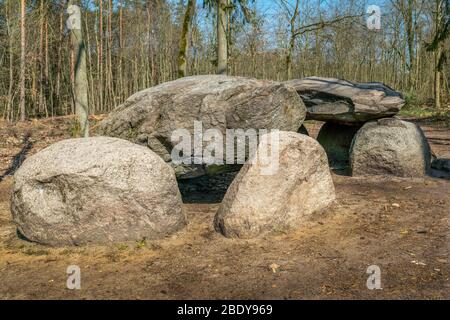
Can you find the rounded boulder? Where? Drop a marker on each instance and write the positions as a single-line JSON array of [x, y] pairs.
[[390, 146], [278, 192], [95, 191]]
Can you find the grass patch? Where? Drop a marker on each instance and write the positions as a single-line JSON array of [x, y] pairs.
[[425, 112], [122, 247], [75, 129], [35, 251], [141, 244]]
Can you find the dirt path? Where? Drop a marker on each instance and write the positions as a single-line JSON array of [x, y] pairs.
[[400, 225]]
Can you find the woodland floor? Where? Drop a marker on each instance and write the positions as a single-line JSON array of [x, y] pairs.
[[401, 225]]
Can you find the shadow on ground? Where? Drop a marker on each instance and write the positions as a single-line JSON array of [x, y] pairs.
[[19, 158], [206, 189]]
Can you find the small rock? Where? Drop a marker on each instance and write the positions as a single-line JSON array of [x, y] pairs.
[[274, 267]]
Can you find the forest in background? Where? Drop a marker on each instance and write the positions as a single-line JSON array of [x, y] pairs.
[[135, 44]]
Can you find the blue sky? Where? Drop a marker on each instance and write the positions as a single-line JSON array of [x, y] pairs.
[[270, 10], [265, 5], [270, 7]]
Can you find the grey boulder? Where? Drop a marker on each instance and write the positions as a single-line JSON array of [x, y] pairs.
[[95, 190], [151, 116], [390, 147], [341, 101], [260, 201]]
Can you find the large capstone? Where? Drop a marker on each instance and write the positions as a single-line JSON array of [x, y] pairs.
[[277, 194], [341, 101], [150, 117], [336, 139], [96, 190], [390, 147]]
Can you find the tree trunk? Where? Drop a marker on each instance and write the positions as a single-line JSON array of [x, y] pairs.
[[184, 43], [121, 47], [9, 113], [109, 71], [292, 40], [100, 55], [438, 56], [57, 99], [153, 45], [22, 61], [222, 42], [43, 85], [437, 79], [410, 39], [92, 95], [47, 76], [81, 81]]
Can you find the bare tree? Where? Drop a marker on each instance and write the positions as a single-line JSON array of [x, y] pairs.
[[292, 36], [295, 32], [224, 9], [23, 45], [81, 82], [222, 42], [9, 107], [442, 31], [182, 55]]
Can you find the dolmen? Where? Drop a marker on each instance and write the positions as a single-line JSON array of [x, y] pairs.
[[121, 185], [361, 130]]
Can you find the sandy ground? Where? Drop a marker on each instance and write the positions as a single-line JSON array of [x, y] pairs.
[[400, 225]]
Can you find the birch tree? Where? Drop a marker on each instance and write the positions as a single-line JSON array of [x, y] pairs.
[[81, 82], [23, 47]]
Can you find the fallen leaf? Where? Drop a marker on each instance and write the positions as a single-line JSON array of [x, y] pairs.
[[274, 267], [418, 263]]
